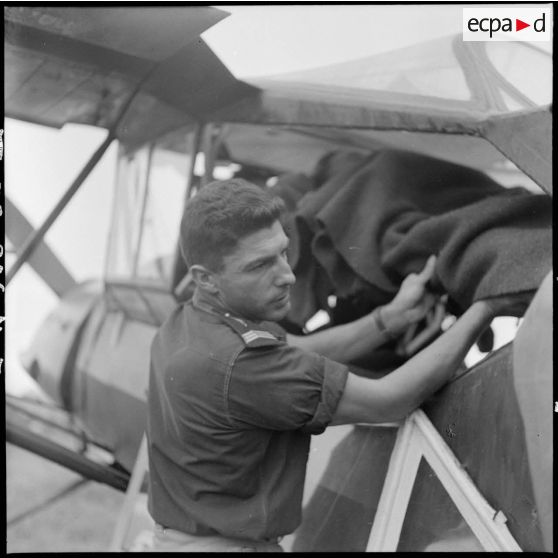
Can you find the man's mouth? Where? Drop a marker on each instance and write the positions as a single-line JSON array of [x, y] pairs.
[[282, 299]]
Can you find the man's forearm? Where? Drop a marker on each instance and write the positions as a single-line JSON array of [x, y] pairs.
[[346, 342], [431, 368], [397, 394]]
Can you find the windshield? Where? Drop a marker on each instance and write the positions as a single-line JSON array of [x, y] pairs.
[[148, 203]]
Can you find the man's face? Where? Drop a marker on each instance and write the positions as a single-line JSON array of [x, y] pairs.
[[256, 278]]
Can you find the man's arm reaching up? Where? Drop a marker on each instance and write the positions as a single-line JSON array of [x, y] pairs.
[[348, 342], [400, 392]]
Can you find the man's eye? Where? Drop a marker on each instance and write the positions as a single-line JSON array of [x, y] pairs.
[[258, 266]]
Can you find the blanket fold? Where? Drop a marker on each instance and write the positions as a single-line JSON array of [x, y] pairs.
[[375, 218]]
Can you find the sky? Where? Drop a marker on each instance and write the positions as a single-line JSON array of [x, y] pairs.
[[263, 40], [40, 163]]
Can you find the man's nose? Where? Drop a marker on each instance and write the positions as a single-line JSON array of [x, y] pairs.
[[285, 275]]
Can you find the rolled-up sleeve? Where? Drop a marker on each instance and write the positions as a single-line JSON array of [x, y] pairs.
[[333, 385], [283, 388]]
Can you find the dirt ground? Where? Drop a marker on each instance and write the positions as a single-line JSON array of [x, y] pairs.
[[52, 509]]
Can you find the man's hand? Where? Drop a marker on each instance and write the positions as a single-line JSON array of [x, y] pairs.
[[411, 341], [413, 301]]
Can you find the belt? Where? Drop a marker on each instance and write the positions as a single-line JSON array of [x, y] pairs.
[[174, 536]]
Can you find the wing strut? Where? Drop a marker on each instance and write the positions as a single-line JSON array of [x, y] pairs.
[[44, 261], [33, 241]]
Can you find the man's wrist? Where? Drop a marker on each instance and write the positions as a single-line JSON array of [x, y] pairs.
[[383, 326], [393, 321], [484, 308]]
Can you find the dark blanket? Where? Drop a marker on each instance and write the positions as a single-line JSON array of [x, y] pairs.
[[374, 219]]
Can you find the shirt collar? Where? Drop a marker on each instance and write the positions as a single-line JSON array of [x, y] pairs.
[[210, 304], [204, 301]]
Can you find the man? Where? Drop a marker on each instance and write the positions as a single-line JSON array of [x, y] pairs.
[[233, 400]]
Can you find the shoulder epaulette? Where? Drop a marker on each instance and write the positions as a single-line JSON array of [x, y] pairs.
[[251, 337]]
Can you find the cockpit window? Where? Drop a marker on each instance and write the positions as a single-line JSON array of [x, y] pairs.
[[126, 214], [443, 528], [148, 205], [163, 210], [527, 71]]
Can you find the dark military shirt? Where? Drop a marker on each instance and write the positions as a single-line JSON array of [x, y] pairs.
[[231, 410]]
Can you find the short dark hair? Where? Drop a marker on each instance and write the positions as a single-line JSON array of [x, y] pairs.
[[222, 213]]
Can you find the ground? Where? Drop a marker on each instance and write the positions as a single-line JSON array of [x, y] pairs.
[[52, 509]]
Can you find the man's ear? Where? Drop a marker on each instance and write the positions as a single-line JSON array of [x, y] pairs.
[[204, 278]]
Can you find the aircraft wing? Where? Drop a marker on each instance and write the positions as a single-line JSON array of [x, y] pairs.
[[441, 90], [80, 65]]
